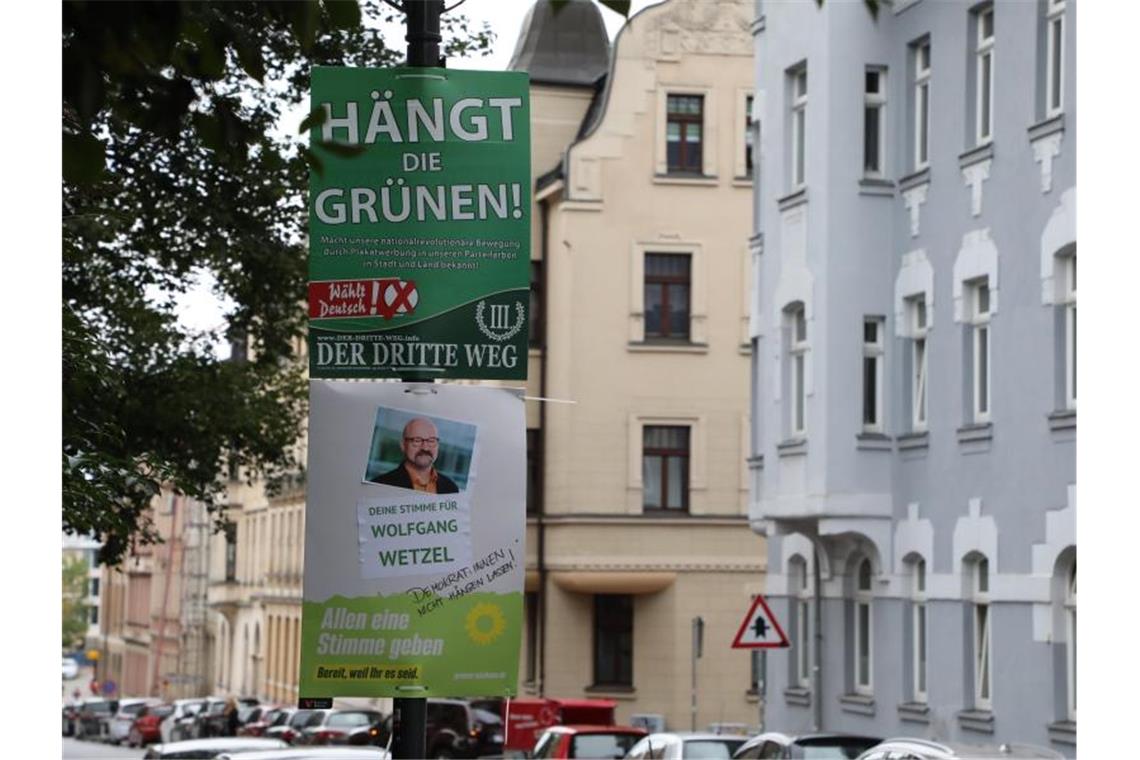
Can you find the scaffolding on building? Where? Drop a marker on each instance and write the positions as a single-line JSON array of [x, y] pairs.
[[190, 677]]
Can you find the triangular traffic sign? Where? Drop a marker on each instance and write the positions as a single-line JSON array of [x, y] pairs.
[[760, 629]]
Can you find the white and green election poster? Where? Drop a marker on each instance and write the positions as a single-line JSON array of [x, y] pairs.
[[419, 224], [414, 530]]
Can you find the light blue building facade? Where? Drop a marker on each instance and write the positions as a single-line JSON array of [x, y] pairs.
[[913, 326]]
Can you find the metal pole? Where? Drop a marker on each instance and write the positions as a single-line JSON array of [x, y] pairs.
[[409, 714]]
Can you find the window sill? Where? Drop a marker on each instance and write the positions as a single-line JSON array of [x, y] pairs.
[[913, 441], [792, 447], [797, 696], [1063, 732], [868, 441], [876, 186], [914, 179], [976, 155], [859, 704], [976, 432], [701, 180], [756, 462], [613, 691], [752, 696], [914, 712], [666, 513], [1046, 127], [680, 347], [792, 199], [742, 182], [1063, 419], [981, 721]]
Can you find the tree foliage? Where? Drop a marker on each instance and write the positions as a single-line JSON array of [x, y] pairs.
[[74, 605], [179, 158]]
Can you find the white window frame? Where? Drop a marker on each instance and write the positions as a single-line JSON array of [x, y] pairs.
[[1054, 57], [982, 342], [984, 90], [797, 355], [874, 350], [1069, 299], [864, 645], [799, 86], [922, 76], [876, 101], [919, 630], [919, 344], [1071, 641], [983, 643], [803, 625]]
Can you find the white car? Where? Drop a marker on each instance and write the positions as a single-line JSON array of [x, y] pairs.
[[311, 753], [119, 727], [171, 727], [70, 669], [212, 747], [686, 744]]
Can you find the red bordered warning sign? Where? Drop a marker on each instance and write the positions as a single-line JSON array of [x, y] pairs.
[[760, 629]]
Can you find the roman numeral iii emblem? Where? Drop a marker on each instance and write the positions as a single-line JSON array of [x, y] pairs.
[[500, 317], [500, 327]]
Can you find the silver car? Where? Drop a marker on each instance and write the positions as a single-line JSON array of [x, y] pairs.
[[682, 745], [212, 747], [921, 749]]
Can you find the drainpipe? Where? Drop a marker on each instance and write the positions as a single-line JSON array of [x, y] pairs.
[[817, 669], [544, 274]]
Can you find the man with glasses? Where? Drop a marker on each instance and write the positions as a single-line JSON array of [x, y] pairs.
[[420, 445]]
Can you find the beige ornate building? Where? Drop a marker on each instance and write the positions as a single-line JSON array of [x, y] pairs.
[[641, 216]]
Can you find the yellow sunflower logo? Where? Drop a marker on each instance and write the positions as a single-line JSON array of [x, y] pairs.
[[485, 623]]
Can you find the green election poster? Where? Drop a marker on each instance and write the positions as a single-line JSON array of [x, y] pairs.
[[419, 224], [414, 541]]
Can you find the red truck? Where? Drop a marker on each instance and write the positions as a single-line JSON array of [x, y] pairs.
[[527, 718]]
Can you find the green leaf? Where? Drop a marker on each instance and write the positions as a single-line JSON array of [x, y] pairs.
[[316, 118], [304, 18], [84, 158], [314, 161], [250, 57], [343, 14]]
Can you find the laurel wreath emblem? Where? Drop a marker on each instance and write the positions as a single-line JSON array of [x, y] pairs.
[[520, 320]]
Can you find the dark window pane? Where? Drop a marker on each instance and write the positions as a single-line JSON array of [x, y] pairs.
[[654, 299], [679, 310], [871, 82], [870, 412], [533, 471], [613, 639], [535, 325], [871, 139]]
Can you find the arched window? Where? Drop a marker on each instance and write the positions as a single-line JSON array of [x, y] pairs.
[[1071, 640], [918, 629], [863, 633], [981, 648], [801, 587]]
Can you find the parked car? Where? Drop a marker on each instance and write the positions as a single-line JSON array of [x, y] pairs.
[[92, 721], [587, 741], [310, 753], [376, 734], [205, 749], [921, 749], [456, 729], [289, 730], [176, 726], [70, 669], [810, 746], [119, 726], [334, 727], [210, 720], [146, 728], [274, 716], [685, 744]]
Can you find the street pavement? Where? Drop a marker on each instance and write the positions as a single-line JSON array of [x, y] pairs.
[[73, 749]]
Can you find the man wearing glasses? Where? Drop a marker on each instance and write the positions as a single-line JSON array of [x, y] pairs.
[[421, 448]]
